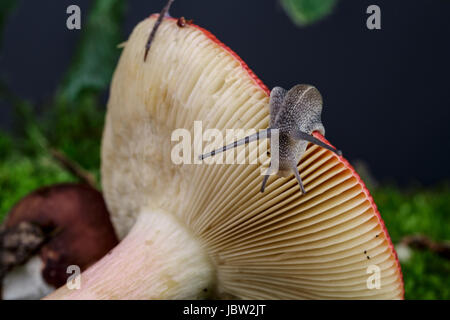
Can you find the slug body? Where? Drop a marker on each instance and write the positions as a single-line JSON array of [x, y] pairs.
[[298, 109], [296, 114]]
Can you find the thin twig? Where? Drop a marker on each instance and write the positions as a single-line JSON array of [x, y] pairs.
[[163, 13], [421, 242], [74, 168]]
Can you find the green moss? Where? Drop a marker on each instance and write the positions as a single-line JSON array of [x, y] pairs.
[[427, 212], [426, 276], [415, 212], [20, 175]]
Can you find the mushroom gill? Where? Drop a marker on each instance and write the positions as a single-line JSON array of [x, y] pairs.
[[279, 244]]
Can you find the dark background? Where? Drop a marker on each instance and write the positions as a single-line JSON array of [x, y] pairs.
[[386, 92]]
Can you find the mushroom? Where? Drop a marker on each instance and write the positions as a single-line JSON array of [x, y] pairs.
[[205, 231], [48, 231]]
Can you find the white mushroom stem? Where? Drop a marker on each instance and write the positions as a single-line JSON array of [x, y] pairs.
[[158, 259]]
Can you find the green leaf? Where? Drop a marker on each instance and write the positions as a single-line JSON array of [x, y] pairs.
[[6, 6], [303, 12], [97, 53], [74, 122]]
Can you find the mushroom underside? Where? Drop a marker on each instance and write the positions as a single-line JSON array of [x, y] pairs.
[[328, 244]]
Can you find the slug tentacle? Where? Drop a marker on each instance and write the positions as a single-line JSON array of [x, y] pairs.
[[300, 135], [264, 134]]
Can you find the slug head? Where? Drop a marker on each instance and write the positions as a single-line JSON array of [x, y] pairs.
[[303, 110]]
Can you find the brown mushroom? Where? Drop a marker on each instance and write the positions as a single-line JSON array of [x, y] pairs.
[[49, 230]]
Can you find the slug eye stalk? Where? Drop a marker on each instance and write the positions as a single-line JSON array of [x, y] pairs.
[[300, 135]]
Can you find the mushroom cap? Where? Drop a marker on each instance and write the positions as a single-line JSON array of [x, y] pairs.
[[279, 244], [78, 220]]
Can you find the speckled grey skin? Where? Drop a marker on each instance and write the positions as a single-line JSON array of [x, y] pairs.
[[296, 114], [290, 111]]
